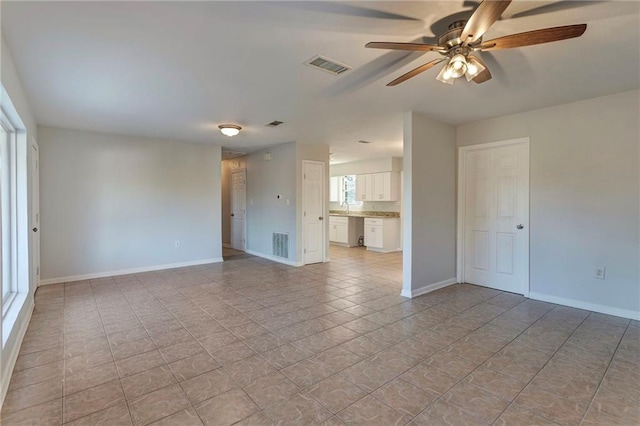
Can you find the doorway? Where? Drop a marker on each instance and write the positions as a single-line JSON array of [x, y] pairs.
[[493, 215], [313, 205], [238, 209]]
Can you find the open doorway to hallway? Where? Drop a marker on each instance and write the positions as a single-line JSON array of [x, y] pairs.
[[234, 204]]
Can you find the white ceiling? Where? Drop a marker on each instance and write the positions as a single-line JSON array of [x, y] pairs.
[[178, 69]]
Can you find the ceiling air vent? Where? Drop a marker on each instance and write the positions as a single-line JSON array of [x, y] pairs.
[[274, 123], [365, 142], [327, 65]]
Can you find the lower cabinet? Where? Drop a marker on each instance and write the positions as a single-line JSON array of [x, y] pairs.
[[382, 235], [345, 230]]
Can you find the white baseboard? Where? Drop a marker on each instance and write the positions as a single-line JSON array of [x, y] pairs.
[[274, 258], [128, 271], [603, 309], [380, 250], [12, 356], [427, 288]]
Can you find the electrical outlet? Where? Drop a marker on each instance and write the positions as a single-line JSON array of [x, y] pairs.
[[599, 272], [177, 243]]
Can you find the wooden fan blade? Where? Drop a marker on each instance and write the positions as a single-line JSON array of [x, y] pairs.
[[485, 75], [530, 38], [416, 71], [484, 16], [404, 46]]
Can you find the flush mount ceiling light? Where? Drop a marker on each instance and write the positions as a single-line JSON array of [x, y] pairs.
[[229, 129]]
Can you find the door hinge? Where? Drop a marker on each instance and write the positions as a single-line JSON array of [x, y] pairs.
[[37, 270], [304, 176], [305, 251], [305, 214]]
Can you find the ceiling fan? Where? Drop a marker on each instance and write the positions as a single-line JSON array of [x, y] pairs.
[[464, 38]]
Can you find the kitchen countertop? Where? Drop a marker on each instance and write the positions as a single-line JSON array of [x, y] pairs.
[[364, 214]]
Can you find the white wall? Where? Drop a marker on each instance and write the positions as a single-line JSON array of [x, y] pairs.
[[118, 203], [584, 198], [265, 212], [429, 224], [15, 91]]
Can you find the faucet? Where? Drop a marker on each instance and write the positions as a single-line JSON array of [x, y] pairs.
[[346, 204]]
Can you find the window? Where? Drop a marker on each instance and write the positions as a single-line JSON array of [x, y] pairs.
[[7, 201], [348, 195]]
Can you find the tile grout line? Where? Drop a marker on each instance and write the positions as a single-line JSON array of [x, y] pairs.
[[479, 365], [543, 366], [613, 355]]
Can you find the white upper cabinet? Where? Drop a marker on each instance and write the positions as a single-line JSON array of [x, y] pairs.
[[383, 186], [363, 187]]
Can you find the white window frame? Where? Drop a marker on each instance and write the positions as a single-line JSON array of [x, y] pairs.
[[342, 194], [9, 180], [19, 221]]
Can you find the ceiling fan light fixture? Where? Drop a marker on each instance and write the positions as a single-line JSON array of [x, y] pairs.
[[457, 66], [445, 75], [229, 129], [474, 67]]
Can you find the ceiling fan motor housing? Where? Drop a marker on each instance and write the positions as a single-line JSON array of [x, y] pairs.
[[451, 39]]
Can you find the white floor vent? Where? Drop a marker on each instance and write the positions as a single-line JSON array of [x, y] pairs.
[[281, 244]]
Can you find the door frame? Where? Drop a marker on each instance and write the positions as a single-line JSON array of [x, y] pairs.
[[324, 209], [34, 222], [461, 225], [243, 171]]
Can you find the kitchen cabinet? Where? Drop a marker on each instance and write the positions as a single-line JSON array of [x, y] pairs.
[[384, 186], [345, 230], [382, 234], [364, 187]]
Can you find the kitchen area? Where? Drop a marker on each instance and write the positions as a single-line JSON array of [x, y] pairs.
[[365, 205]]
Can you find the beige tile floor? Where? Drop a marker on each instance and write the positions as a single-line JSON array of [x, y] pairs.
[[256, 342]]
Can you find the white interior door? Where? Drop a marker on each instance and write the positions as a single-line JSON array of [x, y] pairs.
[[238, 209], [35, 214], [313, 215], [496, 217]]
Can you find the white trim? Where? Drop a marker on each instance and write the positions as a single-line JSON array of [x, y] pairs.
[[603, 309], [427, 288], [129, 271], [381, 250], [275, 259], [461, 204], [14, 350]]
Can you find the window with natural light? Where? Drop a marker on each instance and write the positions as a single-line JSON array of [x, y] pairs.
[[7, 156], [349, 196], [14, 218]]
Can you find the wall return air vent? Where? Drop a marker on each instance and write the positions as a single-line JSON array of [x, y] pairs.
[[327, 65]]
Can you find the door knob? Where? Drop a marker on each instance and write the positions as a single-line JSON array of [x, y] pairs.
[[521, 226], [232, 214], [35, 229], [320, 218]]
